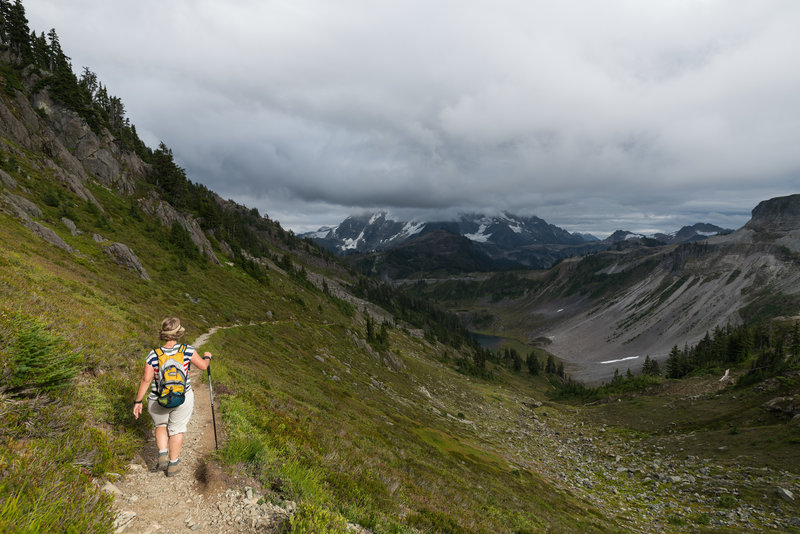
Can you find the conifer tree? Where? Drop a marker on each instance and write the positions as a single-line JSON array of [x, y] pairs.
[[533, 364], [19, 38], [5, 11], [550, 366], [516, 361]]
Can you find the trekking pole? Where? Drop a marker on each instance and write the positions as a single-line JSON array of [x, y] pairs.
[[213, 418]]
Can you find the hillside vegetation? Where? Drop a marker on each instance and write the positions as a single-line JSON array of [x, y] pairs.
[[357, 401]]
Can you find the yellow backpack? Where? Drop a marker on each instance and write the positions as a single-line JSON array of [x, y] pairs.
[[171, 378]]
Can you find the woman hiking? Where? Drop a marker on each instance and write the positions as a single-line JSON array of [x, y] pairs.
[[170, 410]]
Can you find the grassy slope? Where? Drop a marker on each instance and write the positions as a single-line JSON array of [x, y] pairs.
[[371, 446]]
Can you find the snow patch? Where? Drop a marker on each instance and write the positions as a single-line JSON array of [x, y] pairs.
[[352, 244], [621, 359], [479, 236], [412, 228]]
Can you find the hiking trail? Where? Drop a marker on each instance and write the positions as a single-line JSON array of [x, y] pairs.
[[201, 498]]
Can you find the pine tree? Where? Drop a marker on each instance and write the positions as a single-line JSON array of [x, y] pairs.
[[19, 38], [675, 365], [647, 365], [5, 12], [383, 335], [655, 369], [516, 361], [370, 333], [533, 364]]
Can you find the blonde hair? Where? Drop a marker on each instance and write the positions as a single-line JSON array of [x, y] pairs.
[[171, 329]]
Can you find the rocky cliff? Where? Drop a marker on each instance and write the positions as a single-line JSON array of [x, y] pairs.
[[70, 152]]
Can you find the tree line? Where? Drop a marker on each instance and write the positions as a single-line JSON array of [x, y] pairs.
[[44, 57], [734, 345]]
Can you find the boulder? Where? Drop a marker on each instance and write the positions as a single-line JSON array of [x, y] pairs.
[[125, 257], [71, 226], [7, 180], [47, 234], [788, 405], [22, 207]]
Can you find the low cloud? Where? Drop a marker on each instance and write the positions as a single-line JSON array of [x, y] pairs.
[[594, 116]]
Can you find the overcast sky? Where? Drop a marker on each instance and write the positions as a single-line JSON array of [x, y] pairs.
[[594, 115]]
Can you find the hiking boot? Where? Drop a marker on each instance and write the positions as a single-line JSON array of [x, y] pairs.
[[173, 468], [163, 461]]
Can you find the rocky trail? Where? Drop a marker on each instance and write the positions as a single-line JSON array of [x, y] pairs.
[[201, 498]]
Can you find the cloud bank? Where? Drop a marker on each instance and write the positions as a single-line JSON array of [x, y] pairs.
[[592, 115]]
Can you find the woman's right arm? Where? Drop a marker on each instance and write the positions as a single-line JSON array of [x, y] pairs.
[[144, 385]]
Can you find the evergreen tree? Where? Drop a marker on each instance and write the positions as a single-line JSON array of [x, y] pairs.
[[533, 364], [516, 361], [647, 365], [650, 367], [370, 329], [550, 366], [19, 38], [41, 51], [89, 82], [383, 335], [655, 369], [5, 12], [675, 364]]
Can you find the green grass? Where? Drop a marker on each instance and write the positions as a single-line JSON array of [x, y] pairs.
[[374, 455]]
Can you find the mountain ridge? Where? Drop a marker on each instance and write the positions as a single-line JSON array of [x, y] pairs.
[[508, 240]]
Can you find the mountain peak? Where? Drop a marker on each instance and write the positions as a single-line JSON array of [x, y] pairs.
[[778, 214]]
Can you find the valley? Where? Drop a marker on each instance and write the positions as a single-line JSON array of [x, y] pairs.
[[349, 393]]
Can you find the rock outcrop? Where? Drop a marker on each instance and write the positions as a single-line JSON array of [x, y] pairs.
[[125, 257], [26, 211], [781, 214], [155, 207]]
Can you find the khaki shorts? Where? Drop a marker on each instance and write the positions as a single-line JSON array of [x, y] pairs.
[[175, 419]]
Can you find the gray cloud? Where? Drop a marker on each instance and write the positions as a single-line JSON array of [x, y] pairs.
[[592, 115]]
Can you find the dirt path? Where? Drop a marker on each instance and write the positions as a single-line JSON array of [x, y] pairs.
[[200, 498]]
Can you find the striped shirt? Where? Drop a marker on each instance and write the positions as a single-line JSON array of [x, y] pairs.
[[152, 361]]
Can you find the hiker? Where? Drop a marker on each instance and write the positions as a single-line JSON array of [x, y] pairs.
[[170, 422]]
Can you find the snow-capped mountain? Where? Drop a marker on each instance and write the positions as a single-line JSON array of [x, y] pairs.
[[483, 242], [687, 234], [367, 233]]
